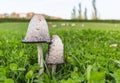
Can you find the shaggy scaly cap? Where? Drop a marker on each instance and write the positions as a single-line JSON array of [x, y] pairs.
[[55, 54], [37, 30]]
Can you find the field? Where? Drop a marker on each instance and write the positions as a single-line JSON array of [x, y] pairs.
[[91, 54]]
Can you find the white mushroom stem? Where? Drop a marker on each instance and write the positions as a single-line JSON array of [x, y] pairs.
[[40, 59], [54, 69]]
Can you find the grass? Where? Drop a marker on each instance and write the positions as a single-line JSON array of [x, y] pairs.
[[91, 52]]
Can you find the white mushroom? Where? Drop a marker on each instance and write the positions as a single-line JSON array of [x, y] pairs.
[[55, 53], [38, 33]]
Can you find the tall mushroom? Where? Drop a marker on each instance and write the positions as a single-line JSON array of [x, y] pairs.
[[55, 53], [38, 33]]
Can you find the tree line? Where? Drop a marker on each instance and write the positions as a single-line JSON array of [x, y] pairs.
[[83, 16]]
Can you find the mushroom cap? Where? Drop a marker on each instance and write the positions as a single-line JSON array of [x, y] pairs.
[[55, 53], [37, 31]]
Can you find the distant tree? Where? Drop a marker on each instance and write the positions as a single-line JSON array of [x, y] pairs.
[[94, 15], [79, 11], [74, 13], [85, 14]]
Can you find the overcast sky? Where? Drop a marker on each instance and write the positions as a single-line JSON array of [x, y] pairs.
[[107, 9]]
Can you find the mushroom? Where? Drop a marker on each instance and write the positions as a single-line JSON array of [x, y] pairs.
[[55, 53], [38, 33]]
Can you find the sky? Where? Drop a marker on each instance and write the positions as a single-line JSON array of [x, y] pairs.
[[107, 9]]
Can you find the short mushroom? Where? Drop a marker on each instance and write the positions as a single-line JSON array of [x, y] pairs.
[[55, 53], [38, 33]]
